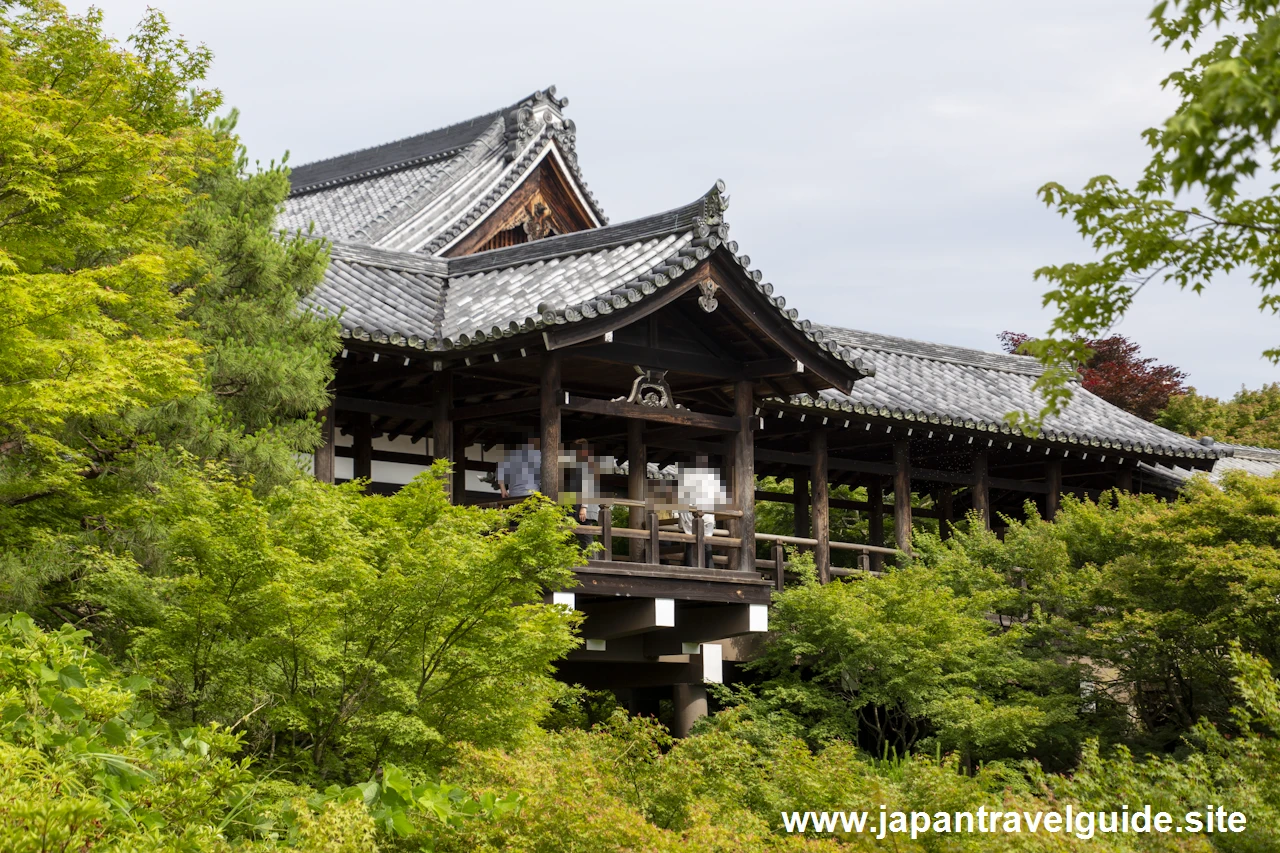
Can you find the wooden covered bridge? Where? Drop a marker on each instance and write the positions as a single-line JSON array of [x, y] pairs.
[[483, 297]]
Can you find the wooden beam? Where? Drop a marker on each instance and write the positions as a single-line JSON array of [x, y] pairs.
[[382, 408], [458, 480], [324, 454], [902, 495], [624, 618], [361, 426], [442, 425], [549, 388], [637, 482], [1053, 493], [982, 487], [744, 473], [679, 417], [497, 409], [821, 511]]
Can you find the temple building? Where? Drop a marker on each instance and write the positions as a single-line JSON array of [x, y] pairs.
[[487, 304]]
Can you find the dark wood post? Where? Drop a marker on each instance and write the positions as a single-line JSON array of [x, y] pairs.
[[550, 388], [442, 427], [821, 507], [800, 501], [982, 488], [1053, 481], [780, 566], [902, 495], [655, 540], [744, 472], [362, 445], [699, 542], [606, 532], [637, 483], [1124, 479], [945, 512], [324, 455], [875, 519]]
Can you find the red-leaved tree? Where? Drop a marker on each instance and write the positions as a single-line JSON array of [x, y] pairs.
[[1117, 373]]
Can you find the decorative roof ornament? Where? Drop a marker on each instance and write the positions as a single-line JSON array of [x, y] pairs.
[[716, 203], [522, 124], [651, 389], [708, 298]]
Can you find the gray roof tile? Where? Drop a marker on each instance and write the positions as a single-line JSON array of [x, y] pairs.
[[953, 386]]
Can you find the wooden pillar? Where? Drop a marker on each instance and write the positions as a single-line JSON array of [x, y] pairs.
[[324, 454], [982, 487], [1124, 479], [637, 483], [362, 445], [550, 388], [1053, 481], [800, 500], [945, 512], [902, 495], [821, 508], [442, 426], [744, 473], [690, 701], [875, 518]]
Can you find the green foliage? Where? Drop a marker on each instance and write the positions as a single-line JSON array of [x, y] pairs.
[[905, 661], [1249, 417], [267, 364], [337, 630], [98, 148], [1212, 148]]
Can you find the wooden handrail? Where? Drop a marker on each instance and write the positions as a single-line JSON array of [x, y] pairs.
[[839, 546], [720, 540]]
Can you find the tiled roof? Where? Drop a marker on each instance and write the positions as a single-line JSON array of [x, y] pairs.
[[371, 290], [424, 193], [546, 283], [1258, 461], [970, 389]]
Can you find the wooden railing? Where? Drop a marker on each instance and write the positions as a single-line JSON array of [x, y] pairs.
[[654, 536]]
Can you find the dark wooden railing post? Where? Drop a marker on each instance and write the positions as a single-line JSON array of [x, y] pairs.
[[780, 566], [902, 495], [744, 472], [982, 487], [655, 540], [325, 453], [442, 443], [1053, 482], [875, 520], [606, 531], [699, 540], [821, 507], [550, 391]]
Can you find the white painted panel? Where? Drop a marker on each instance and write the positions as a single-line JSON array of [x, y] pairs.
[[664, 612], [568, 599], [759, 618], [595, 645], [343, 468], [712, 663]]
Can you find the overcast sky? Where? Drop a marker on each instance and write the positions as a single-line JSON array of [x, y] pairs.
[[882, 157]]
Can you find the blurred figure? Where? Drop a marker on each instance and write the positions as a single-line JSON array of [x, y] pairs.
[[582, 482], [519, 474], [699, 487]]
